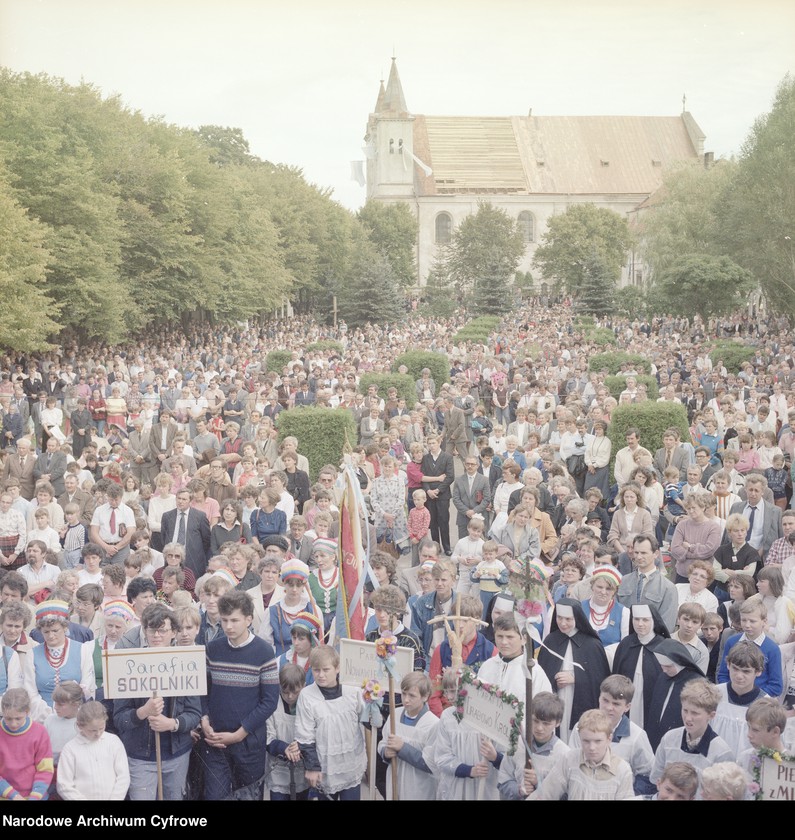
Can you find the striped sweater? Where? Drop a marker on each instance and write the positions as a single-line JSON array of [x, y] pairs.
[[25, 762], [242, 685]]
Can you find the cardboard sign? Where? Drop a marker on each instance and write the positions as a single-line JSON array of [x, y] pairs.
[[777, 781], [144, 672], [492, 716], [358, 662]]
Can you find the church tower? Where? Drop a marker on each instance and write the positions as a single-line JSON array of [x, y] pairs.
[[390, 143]]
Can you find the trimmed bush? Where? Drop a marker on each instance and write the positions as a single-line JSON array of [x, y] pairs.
[[385, 381], [277, 359], [613, 361], [651, 419], [478, 329], [600, 335], [325, 346], [322, 434], [732, 355], [617, 384], [416, 360]]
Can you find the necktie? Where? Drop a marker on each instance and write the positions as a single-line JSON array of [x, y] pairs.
[[668, 458], [113, 520], [751, 521], [181, 531], [639, 591]]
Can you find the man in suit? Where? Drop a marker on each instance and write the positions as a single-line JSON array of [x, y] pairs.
[[161, 440], [72, 493], [765, 518], [370, 426], [455, 433], [438, 463], [140, 453], [467, 403], [471, 495], [671, 454], [648, 583], [189, 527], [20, 465], [51, 466]]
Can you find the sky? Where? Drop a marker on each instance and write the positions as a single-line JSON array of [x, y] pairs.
[[300, 78]]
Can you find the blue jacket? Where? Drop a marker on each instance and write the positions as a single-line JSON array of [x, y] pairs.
[[771, 680], [139, 739]]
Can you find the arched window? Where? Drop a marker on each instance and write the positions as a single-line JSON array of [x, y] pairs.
[[444, 229], [527, 226]]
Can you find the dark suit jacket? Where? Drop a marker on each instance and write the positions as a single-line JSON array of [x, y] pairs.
[[444, 466], [463, 501], [56, 469], [197, 538], [771, 528], [455, 427], [155, 438], [679, 459]]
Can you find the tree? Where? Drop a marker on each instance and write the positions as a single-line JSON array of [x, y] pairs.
[[486, 249], [703, 284], [392, 228], [757, 211], [598, 287], [371, 292], [683, 216], [574, 239], [439, 295]]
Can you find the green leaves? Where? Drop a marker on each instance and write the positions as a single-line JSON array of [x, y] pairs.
[[392, 228]]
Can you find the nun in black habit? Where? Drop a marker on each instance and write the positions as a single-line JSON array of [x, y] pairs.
[[665, 709], [574, 659], [635, 659]]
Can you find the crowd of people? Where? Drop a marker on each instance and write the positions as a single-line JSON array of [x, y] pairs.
[[148, 499]]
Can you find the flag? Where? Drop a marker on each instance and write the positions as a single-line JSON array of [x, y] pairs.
[[357, 172], [351, 560]]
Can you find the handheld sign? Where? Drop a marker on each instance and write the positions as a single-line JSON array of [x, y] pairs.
[[162, 671], [777, 778], [490, 710], [358, 662]]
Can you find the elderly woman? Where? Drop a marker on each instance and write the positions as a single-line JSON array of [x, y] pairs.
[[240, 559], [174, 556], [542, 522], [269, 592], [57, 660], [388, 498], [630, 519], [518, 538], [13, 534], [576, 510], [230, 529], [502, 493], [695, 537], [701, 576]]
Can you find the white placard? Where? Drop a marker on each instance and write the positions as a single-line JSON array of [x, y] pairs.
[[494, 717], [777, 781], [358, 662], [144, 672]]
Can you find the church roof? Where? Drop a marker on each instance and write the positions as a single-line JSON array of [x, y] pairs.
[[558, 155], [393, 102]]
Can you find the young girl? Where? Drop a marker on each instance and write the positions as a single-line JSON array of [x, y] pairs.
[[62, 726], [324, 580], [25, 753], [777, 476], [284, 756], [490, 575], [328, 731], [419, 524], [93, 764], [467, 553], [73, 536], [304, 634], [748, 458]]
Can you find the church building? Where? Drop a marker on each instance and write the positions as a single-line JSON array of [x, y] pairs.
[[532, 167]]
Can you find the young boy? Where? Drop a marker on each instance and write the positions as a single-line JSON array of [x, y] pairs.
[[25, 752], [673, 499], [678, 783], [73, 536], [710, 636], [284, 755], [413, 731], [490, 575], [89, 571], [419, 523], [628, 740], [690, 617], [753, 619], [696, 742], [328, 731], [591, 772], [213, 590], [67, 697], [745, 662], [189, 620], [766, 720], [513, 780], [467, 553]]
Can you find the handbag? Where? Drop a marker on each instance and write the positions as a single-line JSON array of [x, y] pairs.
[[575, 464], [387, 543]]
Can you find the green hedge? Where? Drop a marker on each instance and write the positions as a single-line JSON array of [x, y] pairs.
[[403, 382], [416, 360], [277, 359], [599, 335], [613, 361], [325, 346], [322, 434], [732, 355], [478, 329], [651, 419], [617, 384]]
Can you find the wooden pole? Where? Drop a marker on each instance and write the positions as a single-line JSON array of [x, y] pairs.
[[369, 737], [528, 705], [159, 763], [392, 724]]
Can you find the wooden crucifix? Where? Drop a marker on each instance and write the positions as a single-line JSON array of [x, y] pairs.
[[455, 629]]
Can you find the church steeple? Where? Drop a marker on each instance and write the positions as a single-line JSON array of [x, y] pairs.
[[394, 101], [379, 103]]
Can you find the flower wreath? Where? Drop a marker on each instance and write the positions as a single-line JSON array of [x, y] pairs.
[[756, 767], [468, 678]]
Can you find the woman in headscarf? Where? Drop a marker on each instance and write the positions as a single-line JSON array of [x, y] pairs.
[[635, 658], [574, 659], [665, 708]]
